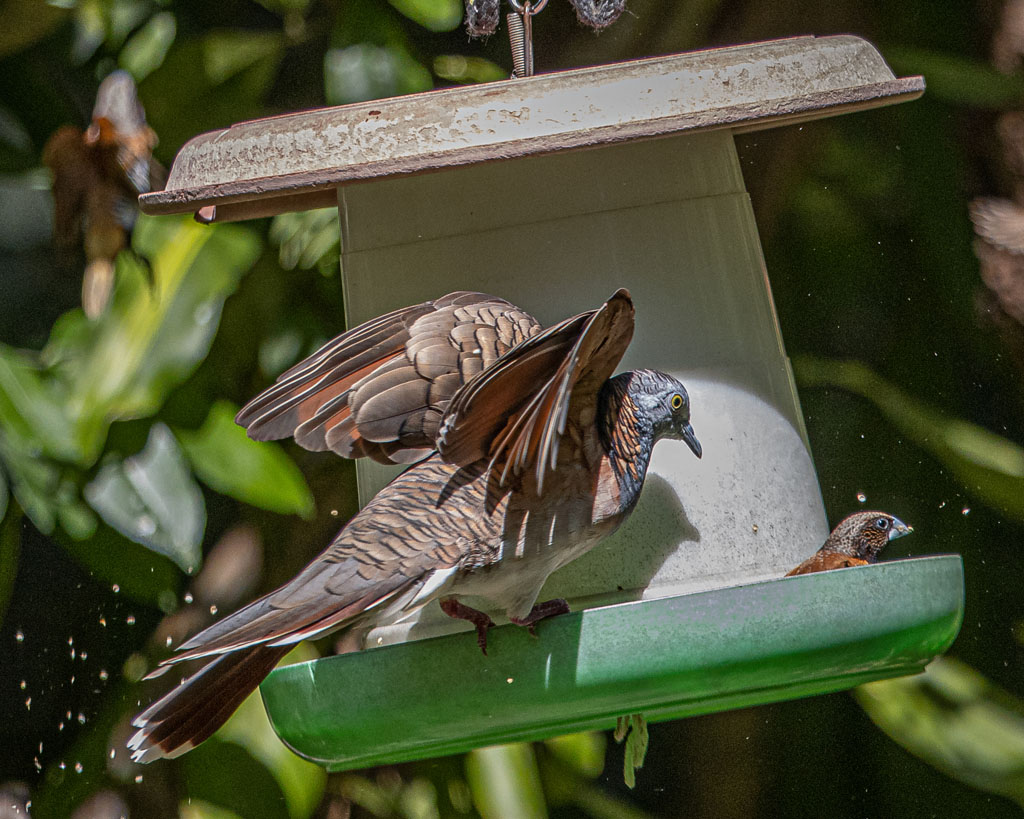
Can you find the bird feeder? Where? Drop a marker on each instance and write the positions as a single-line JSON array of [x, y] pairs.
[[488, 188]]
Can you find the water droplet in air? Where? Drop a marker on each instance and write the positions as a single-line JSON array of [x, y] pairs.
[[510, 680], [188, 597], [334, 513], [28, 704], [103, 621], [116, 588], [113, 753], [861, 497], [213, 609], [62, 766], [19, 636], [23, 685], [78, 767], [104, 674], [71, 641], [82, 655], [168, 641], [81, 718], [966, 510], [130, 619], [138, 779], [942, 505]]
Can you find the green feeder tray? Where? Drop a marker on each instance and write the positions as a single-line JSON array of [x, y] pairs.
[[667, 658]]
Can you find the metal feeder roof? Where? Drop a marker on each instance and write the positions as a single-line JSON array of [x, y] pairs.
[[295, 162]]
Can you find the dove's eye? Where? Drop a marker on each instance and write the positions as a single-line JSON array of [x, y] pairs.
[[677, 401]]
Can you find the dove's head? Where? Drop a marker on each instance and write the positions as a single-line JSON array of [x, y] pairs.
[[662, 403]]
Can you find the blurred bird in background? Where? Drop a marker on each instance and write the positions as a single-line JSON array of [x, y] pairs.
[[98, 175], [856, 541], [527, 454]]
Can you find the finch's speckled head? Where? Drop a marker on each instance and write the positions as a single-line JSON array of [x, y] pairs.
[[865, 534], [663, 401]]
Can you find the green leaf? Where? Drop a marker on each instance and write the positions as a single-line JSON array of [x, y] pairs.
[[307, 239], [583, 753], [435, 15], [148, 47], [152, 499], [150, 339], [44, 489], [989, 466], [458, 68], [368, 72], [32, 407], [257, 473], [228, 53], [504, 781], [956, 720]]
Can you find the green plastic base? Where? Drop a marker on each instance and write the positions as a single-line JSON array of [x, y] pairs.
[[667, 658]]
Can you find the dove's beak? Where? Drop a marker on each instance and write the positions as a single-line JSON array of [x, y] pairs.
[[691, 440], [899, 529]]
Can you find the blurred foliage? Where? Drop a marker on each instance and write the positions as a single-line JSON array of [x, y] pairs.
[[151, 499], [989, 466], [227, 460], [505, 781], [121, 469], [958, 721], [308, 239]]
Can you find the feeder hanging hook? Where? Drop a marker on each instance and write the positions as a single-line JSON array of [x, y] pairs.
[[520, 34]]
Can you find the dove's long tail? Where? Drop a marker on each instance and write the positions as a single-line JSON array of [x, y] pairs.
[[190, 713]]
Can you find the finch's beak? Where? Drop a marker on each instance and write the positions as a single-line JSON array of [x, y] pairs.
[[691, 440], [899, 529]]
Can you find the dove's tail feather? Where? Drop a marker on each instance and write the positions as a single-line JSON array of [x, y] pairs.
[[190, 713]]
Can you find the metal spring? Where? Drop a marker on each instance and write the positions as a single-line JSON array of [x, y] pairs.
[[517, 39]]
